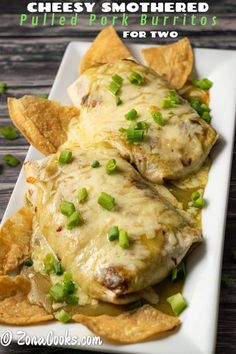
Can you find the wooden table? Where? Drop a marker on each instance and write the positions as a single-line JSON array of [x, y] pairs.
[[29, 60]]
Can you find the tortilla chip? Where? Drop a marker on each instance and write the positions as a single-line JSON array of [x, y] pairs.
[[189, 91], [107, 47], [15, 308], [130, 327], [15, 235], [174, 62], [41, 121]]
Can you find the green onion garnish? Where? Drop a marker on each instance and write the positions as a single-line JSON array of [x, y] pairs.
[[233, 254], [63, 316], [11, 160], [198, 201], [113, 233], [224, 280], [67, 208], [111, 166], [178, 272], [117, 79], [49, 261], [9, 132], [202, 109], [114, 88], [58, 269], [204, 84], [95, 164], [3, 87], [106, 201], [131, 115], [44, 95], [171, 101], [72, 299], [195, 196], [65, 157], [57, 292], [158, 118], [134, 135], [207, 117], [69, 286], [52, 265], [177, 303], [73, 220], [118, 101], [136, 79], [123, 239], [62, 291], [141, 125], [83, 195], [28, 262]]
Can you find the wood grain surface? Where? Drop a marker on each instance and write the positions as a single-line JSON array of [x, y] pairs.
[[29, 60]]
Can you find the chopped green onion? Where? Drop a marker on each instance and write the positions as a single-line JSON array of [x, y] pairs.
[[136, 79], [44, 95], [11, 160], [113, 233], [65, 157], [9, 132], [72, 299], [118, 101], [95, 164], [177, 303], [117, 79], [135, 305], [195, 196], [198, 201], [69, 286], [224, 280], [171, 101], [123, 239], [67, 276], [207, 117], [131, 115], [49, 261], [3, 87], [158, 118], [52, 265], [63, 316], [204, 84], [58, 269], [233, 254], [73, 220], [57, 292], [178, 272], [83, 195], [122, 130], [28, 262], [111, 166], [134, 135], [106, 201], [114, 88], [67, 208], [202, 109], [141, 125]]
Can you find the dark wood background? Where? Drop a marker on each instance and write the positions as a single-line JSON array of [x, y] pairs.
[[29, 60]]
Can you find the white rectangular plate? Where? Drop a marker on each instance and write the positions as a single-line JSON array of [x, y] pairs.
[[197, 333]]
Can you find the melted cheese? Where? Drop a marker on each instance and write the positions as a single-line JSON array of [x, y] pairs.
[[159, 234], [173, 151]]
